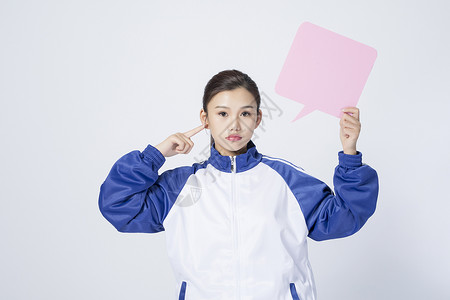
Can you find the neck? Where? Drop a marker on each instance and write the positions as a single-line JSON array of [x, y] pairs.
[[225, 152]]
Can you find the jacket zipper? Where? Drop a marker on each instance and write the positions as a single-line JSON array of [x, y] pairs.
[[235, 225]]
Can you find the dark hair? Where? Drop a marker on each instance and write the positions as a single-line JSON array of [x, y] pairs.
[[226, 81]]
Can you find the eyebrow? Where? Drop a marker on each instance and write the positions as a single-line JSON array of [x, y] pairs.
[[247, 106]]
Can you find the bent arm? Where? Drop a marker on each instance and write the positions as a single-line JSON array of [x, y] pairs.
[[345, 212], [124, 198]]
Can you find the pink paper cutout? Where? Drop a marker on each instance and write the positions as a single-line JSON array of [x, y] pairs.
[[324, 70]]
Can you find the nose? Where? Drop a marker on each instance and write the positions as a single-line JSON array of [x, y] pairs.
[[235, 124]]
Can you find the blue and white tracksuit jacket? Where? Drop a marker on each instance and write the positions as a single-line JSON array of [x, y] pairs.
[[237, 226]]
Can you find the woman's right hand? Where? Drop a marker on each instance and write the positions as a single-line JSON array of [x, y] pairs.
[[178, 142]]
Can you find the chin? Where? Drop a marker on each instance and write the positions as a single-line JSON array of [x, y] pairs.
[[234, 146], [239, 146]]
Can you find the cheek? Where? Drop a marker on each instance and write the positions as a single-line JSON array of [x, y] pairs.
[[215, 124], [250, 123]]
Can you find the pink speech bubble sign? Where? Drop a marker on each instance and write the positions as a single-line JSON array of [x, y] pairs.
[[324, 70]]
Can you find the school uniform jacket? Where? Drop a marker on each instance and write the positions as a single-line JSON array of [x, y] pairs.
[[237, 226]]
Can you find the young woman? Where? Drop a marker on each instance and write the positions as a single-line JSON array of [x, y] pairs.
[[237, 224]]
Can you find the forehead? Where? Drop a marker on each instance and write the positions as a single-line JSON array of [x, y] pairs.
[[234, 98]]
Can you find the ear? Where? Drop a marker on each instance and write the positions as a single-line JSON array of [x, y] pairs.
[[258, 119], [204, 118]]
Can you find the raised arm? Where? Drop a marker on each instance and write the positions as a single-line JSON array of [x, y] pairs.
[[356, 187], [124, 199], [330, 215], [133, 198]]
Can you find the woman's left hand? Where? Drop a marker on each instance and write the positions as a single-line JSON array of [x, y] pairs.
[[350, 129]]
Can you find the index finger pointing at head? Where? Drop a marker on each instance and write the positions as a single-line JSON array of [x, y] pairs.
[[193, 131]]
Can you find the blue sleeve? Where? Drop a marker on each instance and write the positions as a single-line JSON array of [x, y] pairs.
[[133, 198], [334, 215]]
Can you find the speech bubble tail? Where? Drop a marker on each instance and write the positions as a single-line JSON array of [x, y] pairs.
[[306, 110]]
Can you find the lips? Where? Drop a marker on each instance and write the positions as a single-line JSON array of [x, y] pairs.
[[233, 137]]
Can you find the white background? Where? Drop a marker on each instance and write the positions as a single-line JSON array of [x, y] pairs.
[[84, 82]]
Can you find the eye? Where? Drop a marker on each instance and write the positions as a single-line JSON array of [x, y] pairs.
[[246, 112], [221, 113]]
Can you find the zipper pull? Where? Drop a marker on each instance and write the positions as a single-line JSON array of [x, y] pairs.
[[233, 167]]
